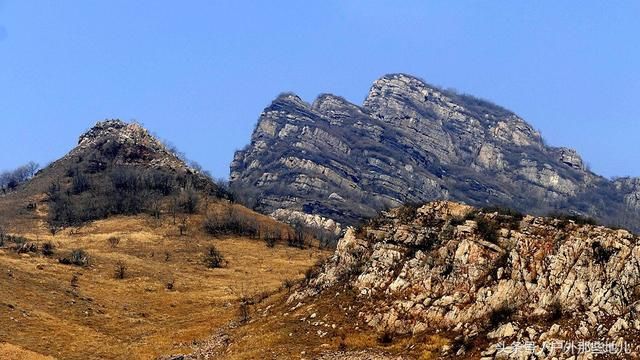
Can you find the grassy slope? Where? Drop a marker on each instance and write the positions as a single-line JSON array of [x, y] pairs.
[[136, 317], [325, 327]]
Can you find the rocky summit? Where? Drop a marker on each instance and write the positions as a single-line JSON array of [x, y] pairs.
[[115, 143], [489, 280], [411, 142]]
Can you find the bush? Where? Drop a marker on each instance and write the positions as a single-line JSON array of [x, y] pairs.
[[408, 212], [488, 229], [602, 254], [190, 201], [10, 180], [120, 270], [113, 241], [447, 270], [231, 221], [288, 284], [555, 311], [80, 183], [298, 238], [48, 248], [270, 240], [578, 219], [501, 315], [214, 258], [504, 211], [385, 337], [510, 217], [78, 257]]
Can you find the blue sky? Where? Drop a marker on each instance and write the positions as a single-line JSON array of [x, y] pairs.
[[198, 73]]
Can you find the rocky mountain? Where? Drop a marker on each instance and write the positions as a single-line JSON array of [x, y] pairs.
[[411, 142], [488, 281]]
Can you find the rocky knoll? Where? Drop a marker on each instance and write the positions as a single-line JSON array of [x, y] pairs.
[[490, 279], [125, 144], [115, 143], [411, 142]]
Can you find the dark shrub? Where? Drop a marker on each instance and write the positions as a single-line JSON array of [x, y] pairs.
[[48, 248], [457, 220], [80, 183], [448, 269], [578, 219], [407, 212], [555, 311], [189, 202], [231, 221], [288, 284], [213, 258], [120, 270], [270, 240], [113, 241], [602, 254], [297, 239], [488, 229], [501, 315], [385, 338], [170, 284]]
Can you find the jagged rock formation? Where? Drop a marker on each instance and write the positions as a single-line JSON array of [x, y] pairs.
[[413, 142], [488, 278]]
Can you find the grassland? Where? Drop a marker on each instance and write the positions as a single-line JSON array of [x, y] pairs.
[[73, 312]]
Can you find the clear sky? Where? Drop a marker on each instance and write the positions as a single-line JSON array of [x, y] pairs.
[[198, 73]]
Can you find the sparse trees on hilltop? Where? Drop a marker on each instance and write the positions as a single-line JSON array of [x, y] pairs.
[[10, 180]]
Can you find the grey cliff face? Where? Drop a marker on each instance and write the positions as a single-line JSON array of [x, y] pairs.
[[411, 142]]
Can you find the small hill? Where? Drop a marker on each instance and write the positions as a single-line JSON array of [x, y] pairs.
[[412, 142], [116, 169]]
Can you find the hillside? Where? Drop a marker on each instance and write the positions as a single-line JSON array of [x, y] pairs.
[[120, 250], [411, 142], [445, 280]]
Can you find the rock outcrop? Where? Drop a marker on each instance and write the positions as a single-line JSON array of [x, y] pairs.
[[489, 278], [411, 142]]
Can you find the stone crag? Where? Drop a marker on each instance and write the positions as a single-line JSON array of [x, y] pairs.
[[488, 278], [411, 142]]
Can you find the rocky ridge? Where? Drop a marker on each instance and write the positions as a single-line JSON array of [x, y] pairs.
[[411, 142], [489, 278]]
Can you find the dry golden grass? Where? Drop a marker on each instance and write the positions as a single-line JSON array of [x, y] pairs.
[[98, 316], [9, 351]]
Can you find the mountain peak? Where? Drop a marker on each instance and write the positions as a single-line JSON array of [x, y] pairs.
[[414, 142], [117, 129], [329, 104], [117, 142], [290, 98]]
